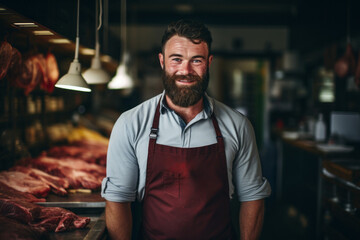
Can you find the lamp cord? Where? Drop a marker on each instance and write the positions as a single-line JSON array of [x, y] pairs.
[[100, 15], [123, 28], [77, 32], [348, 21], [97, 27]]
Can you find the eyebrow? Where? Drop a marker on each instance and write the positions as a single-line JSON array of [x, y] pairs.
[[175, 55], [199, 56], [179, 55]]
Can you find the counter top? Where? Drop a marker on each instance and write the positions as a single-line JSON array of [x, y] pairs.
[[320, 149], [85, 205], [93, 231], [75, 200]]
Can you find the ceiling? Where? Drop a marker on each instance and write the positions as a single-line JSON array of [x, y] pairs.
[[312, 23]]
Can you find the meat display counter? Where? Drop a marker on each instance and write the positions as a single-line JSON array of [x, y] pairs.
[[300, 175], [83, 204], [75, 200], [341, 198]]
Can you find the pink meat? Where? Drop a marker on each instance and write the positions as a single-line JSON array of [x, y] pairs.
[[71, 151], [78, 173], [58, 185], [12, 229], [24, 183], [76, 164], [53, 219], [58, 219], [79, 179], [7, 192], [84, 150], [21, 211]]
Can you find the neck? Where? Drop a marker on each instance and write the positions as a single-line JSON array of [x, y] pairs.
[[186, 113]]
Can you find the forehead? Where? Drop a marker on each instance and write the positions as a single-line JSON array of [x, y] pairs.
[[182, 45]]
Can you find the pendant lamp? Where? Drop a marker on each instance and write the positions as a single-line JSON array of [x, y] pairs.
[[73, 80], [95, 74], [122, 80]]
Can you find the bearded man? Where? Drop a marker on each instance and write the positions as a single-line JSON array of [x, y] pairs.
[[183, 154]]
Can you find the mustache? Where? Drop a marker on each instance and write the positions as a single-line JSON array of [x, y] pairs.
[[189, 77]]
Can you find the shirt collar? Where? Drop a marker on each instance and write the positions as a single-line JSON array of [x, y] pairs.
[[208, 104]]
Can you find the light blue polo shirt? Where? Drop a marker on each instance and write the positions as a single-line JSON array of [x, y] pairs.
[[129, 141]]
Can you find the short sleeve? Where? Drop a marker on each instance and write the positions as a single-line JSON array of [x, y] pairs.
[[247, 174], [120, 184]]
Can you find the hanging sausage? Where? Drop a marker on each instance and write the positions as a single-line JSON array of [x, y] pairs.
[[346, 64]]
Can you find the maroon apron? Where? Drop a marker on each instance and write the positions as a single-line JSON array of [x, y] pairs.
[[186, 191]]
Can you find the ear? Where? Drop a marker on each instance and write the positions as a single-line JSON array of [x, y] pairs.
[[161, 60], [210, 59]]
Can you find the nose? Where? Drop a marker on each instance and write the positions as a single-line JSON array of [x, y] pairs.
[[185, 68]]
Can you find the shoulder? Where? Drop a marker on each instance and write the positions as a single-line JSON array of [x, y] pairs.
[[141, 111], [227, 115], [134, 119]]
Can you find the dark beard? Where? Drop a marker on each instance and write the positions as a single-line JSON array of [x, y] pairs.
[[188, 95]]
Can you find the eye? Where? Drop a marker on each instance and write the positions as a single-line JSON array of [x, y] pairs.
[[176, 60], [197, 61]]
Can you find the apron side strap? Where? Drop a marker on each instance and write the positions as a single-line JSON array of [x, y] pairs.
[[216, 126]]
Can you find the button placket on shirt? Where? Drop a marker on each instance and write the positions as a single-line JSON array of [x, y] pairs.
[[183, 132], [186, 137], [186, 133]]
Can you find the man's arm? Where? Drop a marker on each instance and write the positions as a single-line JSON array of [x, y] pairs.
[[251, 218], [118, 220]]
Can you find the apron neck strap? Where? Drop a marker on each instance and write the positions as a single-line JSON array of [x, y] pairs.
[[155, 125], [216, 126]]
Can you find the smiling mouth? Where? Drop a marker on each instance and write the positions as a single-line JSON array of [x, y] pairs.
[[185, 81]]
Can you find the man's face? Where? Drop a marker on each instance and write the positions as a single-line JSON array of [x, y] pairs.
[[185, 70]]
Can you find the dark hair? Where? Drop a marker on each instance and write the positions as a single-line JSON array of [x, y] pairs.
[[195, 31]]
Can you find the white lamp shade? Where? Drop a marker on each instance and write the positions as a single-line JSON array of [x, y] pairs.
[[73, 79], [121, 80], [95, 74]]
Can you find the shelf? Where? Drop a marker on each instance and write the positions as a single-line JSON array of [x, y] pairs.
[[346, 223], [24, 36]]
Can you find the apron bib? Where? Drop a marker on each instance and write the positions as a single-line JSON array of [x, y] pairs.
[[186, 191]]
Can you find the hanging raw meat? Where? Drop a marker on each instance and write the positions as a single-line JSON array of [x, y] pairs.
[[16, 60], [15, 67], [5, 58], [52, 73], [357, 73], [31, 73], [24, 78], [42, 68], [346, 64], [36, 74]]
